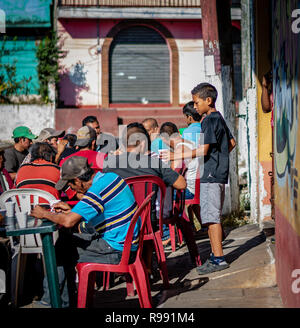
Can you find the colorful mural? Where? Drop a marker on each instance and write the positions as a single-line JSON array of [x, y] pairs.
[[286, 48], [286, 74]]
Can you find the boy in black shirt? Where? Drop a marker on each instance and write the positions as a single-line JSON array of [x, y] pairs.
[[218, 143]]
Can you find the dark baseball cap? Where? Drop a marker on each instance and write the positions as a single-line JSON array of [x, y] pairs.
[[85, 135], [72, 168]]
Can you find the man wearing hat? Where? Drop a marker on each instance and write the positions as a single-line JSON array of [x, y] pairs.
[[50, 136], [15, 155], [103, 215], [85, 143]]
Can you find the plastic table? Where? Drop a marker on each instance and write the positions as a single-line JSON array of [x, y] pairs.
[[46, 229]]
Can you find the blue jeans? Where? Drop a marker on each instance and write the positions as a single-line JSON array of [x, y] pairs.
[[166, 232]]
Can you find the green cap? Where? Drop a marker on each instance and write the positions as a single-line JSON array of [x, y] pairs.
[[23, 131]]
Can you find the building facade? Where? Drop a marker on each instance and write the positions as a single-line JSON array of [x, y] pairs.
[[131, 59]]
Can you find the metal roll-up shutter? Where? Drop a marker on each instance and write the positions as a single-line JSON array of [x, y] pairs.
[[139, 67]]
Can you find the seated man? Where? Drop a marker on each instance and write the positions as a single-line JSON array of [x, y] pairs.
[[42, 173], [69, 147], [151, 125], [49, 136], [138, 143], [103, 217], [15, 156], [86, 143], [137, 161], [6, 182], [106, 143]]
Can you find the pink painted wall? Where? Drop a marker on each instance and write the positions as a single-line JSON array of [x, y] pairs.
[[80, 83]]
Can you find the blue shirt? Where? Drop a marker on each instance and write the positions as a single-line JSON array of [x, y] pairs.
[[157, 144], [109, 206], [192, 133]]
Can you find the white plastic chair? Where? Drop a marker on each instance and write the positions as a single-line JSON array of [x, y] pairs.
[[25, 200]]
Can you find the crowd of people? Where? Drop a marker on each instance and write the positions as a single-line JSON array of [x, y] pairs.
[[86, 172]]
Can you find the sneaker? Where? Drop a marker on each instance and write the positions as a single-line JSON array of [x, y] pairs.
[[41, 304], [210, 267]]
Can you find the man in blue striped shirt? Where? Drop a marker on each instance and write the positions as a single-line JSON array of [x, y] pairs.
[[103, 215]]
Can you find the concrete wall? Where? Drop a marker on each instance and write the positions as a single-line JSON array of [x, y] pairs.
[[36, 117]]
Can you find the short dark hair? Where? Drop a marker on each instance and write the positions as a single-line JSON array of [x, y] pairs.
[[43, 150], [71, 138], [89, 119], [16, 140], [189, 110], [169, 128], [205, 90], [136, 128]]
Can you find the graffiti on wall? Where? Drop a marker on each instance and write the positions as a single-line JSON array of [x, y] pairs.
[[286, 73]]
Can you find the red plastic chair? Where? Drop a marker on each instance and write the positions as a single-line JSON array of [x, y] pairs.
[[141, 186], [137, 270], [178, 205]]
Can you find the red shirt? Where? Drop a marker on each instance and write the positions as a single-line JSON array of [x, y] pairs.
[[39, 174], [95, 158]]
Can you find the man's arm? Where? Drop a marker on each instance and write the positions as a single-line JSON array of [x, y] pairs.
[[180, 183], [202, 150], [265, 96], [65, 218], [231, 145], [12, 175]]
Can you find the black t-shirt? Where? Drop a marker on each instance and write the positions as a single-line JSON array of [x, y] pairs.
[[132, 164], [107, 143], [67, 152], [14, 159], [216, 162]]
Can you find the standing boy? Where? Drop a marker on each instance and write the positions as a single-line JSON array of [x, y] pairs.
[[218, 143]]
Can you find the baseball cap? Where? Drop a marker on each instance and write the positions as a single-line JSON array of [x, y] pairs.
[[23, 131], [85, 135], [72, 168], [50, 133]]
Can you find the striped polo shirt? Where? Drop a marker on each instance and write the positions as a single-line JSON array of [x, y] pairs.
[[43, 175], [39, 174], [109, 206]]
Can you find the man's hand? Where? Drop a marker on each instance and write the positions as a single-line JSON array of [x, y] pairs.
[[62, 145], [62, 207], [117, 152], [38, 212], [60, 148], [166, 155]]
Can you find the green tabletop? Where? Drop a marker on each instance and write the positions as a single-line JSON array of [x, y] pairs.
[[45, 228]]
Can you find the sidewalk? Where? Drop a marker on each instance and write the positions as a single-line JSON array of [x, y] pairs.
[[249, 282]]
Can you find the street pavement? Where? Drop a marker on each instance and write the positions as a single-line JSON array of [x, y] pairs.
[[249, 282]]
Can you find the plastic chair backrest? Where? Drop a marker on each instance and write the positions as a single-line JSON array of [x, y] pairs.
[[143, 211], [142, 186], [25, 200]]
